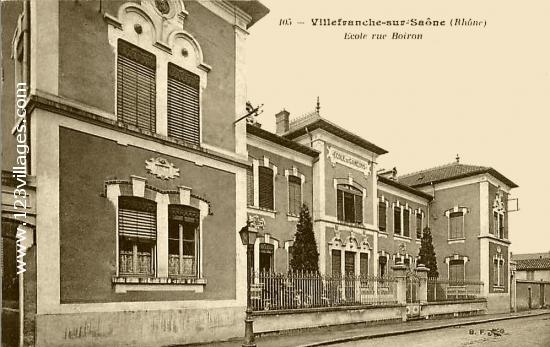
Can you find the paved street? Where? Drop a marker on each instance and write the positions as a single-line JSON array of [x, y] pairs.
[[531, 331]]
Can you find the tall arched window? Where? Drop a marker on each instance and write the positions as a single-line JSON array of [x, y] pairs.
[[349, 204]]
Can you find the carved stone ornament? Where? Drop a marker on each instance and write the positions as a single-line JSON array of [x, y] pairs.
[[336, 156], [161, 168], [498, 203], [256, 222], [163, 6], [402, 248]]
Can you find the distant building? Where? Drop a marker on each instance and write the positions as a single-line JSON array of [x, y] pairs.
[[532, 266], [366, 221]]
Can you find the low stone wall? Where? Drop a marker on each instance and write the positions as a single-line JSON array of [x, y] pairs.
[[278, 321], [453, 308], [140, 328]]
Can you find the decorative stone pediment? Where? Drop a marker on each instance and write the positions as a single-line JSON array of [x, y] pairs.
[[162, 168], [498, 203]]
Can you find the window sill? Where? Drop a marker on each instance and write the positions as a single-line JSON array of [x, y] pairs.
[[292, 217], [403, 238], [460, 240], [383, 234], [262, 211], [125, 284], [498, 289]]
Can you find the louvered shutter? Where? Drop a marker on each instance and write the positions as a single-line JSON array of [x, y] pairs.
[[336, 262], [397, 220], [294, 194], [250, 187], [340, 204], [406, 223], [382, 216], [456, 225], [358, 208], [183, 105], [363, 264], [419, 226], [137, 218], [136, 86], [266, 187]]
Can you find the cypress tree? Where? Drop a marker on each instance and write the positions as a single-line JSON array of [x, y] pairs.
[[304, 252], [427, 253]]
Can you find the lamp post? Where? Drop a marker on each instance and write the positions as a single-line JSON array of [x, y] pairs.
[[248, 237]]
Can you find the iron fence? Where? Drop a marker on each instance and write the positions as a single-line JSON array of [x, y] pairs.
[[293, 290], [445, 290]]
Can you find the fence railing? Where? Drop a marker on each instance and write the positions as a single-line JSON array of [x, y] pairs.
[[445, 290], [282, 291]]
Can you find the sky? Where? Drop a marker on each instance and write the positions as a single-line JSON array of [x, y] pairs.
[[480, 92]]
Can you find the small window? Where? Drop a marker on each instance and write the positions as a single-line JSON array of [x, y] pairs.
[[136, 86], [406, 223], [266, 187], [183, 105], [336, 262], [501, 226], [419, 225], [456, 271], [382, 263], [456, 225], [137, 233], [349, 204], [294, 195], [397, 220], [382, 216]]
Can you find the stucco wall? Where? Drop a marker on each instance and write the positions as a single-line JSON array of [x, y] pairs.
[[445, 199], [87, 219]]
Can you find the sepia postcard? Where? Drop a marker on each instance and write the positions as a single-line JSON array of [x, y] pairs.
[[274, 173]]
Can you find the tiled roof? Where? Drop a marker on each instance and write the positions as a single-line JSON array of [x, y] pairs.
[[449, 172], [406, 188], [267, 135], [313, 120], [533, 264]]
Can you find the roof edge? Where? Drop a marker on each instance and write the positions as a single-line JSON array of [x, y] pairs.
[[405, 187], [282, 141]]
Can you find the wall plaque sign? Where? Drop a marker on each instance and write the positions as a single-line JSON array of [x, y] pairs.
[[336, 156], [162, 168]]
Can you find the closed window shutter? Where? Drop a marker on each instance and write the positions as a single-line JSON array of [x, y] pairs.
[[358, 209], [294, 194], [456, 271], [183, 105], [397, 220], [340, 204], [336, 262], [456, 225], [382, 216], [418, 225], [137, 218], [250, 187], [136, 86], [406, 224], [266, 187], [363, 264]]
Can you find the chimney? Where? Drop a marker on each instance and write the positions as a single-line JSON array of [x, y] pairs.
[[281, 122]]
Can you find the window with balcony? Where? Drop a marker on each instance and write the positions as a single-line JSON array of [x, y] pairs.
[[349, 204], [137, 232], [136, 86], [183, 240], [183, 105]]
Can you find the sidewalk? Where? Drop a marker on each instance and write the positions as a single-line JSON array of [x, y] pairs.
[[337, 334]]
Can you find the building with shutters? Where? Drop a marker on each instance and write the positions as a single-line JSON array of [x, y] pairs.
[[137, 164], [367, 220], [139, 179]]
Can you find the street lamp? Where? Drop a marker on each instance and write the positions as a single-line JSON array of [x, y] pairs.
[[248, 237]]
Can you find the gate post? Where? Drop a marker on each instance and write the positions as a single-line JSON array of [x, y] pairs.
[[399, 272], [422, 273]]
